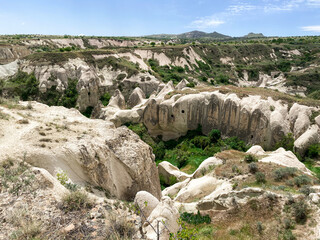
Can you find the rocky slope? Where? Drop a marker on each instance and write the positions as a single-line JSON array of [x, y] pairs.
[[93, 151]]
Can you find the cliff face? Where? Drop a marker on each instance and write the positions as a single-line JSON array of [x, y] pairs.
[[252, 119]]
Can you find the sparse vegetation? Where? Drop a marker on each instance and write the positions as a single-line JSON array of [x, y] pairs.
[[76, 201]]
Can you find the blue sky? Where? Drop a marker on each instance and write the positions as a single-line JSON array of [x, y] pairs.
[[142, 17]]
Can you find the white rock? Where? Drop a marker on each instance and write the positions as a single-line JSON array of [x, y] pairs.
[[166, 215], [256, 150], [146, 202], [206, 165], [311, 136], [198, 188], [285, 158], [170, 173]]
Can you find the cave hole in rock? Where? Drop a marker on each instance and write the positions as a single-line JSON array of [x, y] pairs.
[[182, 111], [172, 116]]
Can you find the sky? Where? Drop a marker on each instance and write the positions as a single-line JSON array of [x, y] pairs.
[[144, 17]]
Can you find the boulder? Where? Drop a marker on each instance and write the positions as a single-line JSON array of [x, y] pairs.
[[311, 136], [207, 165], [166, 216], [117, 100], [285, 158], [146, 203], [174, 189], [182, 84], [136, 97], [198, 188], [256, 150], [171, 174]]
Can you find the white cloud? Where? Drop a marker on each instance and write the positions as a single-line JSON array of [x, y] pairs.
[[236, 9], [314, 3], [315, 28], [206, 22]]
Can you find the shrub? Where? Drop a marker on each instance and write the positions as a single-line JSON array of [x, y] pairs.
[[195, 218], [313, 151], [306, 190], [75, 201], [120, 228], [300, 212], [236, 144], [105, 98], [88, 112], [284, 173], [201, 141], [260, 177], [302, 180], [159, 151], [253, 167], [259, 227], [288, 235], [235, 169], [287, 142], [249, 158], [214, 135]]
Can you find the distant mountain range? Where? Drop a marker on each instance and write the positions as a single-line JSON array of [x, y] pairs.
[[201, 35]]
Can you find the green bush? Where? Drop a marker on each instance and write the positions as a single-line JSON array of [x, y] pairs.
[[214, 135], [75, 201], [313, 151], [260, 177], [249, 158], [253, 167], [24, 85], [88, 112], [236, 144], [105, 98], [195, 218], [302, 180], [284, 173], [201, 141], [300, 212], [287, 142]]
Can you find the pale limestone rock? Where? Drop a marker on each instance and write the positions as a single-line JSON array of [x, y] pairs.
[[146, 203], [167, 215], [169, 173], [311, 136], [87, 150], [256, 150], [182, 84], [136, 97], [317, 120], [52, 182], [285, 158], [206, 165], [198, 188], [117, 100], [9, 69], [174, 189], [315, 197]]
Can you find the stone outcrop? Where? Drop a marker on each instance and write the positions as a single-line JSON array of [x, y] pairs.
[[285, 158], [309, 137], [169, 173], [56, 138], [166, 215], [136, 97], [252, 119]]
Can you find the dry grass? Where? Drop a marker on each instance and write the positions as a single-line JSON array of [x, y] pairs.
[[235, 166]]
